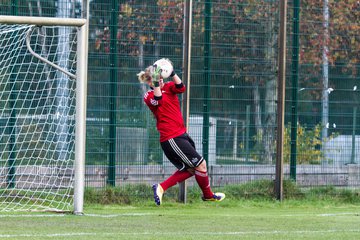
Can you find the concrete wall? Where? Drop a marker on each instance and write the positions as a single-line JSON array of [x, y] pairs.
[[337, 151], [307, 175]]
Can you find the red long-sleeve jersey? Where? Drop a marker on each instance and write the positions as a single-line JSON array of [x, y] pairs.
[[169, 120]]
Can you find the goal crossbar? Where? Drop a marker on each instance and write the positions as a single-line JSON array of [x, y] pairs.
[[43, 21]]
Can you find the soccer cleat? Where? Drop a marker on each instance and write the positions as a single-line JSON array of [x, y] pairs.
[[158, 193], [217, 197]]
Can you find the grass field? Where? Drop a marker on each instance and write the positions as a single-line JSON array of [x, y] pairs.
[[230, 219]]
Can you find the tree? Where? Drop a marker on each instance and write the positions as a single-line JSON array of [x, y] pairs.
[[335, 42], [254, 40]]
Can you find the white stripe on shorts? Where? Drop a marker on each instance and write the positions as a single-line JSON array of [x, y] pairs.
[[176, 148]]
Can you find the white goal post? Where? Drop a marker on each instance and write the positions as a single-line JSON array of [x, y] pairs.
[[43, 85]]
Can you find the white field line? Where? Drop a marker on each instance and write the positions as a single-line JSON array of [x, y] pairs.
[[323, 214], [118, 215], [275, 232], [149, 214], [30, 215], [63, 215], [45, 235]]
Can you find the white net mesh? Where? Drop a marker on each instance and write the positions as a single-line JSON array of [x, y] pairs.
[[37, 118]]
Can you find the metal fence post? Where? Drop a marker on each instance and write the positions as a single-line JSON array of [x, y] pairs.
[[353, 136], [207, 76], [281, 102], [186, 78], [12, 130], [295, 81], [113, 94]]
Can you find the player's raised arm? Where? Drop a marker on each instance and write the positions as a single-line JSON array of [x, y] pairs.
[[177, 80], [156, 82]]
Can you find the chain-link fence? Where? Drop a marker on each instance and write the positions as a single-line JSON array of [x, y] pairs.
[[232, 84]]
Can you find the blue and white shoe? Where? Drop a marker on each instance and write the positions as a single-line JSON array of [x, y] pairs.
[[217, 197], [158, 193]]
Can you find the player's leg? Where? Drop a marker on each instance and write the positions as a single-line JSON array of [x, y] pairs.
[[202, 179], [180, 175], [175, 178], [200, 172], [173, 153], [185, 148], [183, 155]]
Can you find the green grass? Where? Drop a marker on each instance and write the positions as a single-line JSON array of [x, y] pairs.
[[248, 212], [240, 219]]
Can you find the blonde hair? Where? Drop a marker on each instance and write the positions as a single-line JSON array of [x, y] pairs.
[[145, 76]]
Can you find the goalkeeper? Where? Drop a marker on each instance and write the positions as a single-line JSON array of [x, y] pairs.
[[177, 145]]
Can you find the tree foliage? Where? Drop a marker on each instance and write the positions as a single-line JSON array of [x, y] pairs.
[[343, 41], [139, 22]]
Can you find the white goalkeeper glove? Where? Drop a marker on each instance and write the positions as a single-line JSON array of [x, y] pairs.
[[156, 75]]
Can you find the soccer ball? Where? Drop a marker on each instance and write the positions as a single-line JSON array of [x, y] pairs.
[[166, 67]]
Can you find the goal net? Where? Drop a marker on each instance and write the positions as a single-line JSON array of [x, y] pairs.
[[38, 108]]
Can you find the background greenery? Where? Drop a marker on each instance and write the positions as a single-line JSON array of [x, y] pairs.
[[233, 74], [323, 216]]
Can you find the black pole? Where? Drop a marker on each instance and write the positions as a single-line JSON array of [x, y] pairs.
[[113, 93], [353, 136], [186, 79], [281, 102], [12, 129], [295, 82], [207, 75]]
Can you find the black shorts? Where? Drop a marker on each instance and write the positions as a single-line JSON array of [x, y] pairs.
[[181, 152]]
